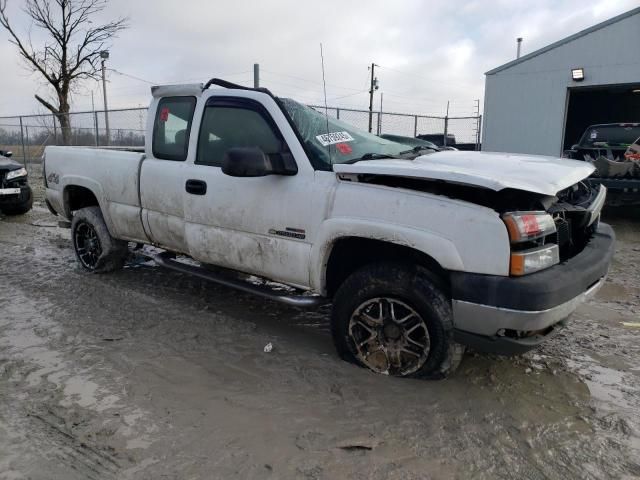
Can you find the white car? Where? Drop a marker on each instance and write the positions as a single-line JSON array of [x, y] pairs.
[[419, 254]]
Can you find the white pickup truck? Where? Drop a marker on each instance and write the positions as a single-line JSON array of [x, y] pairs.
[[420, 253]]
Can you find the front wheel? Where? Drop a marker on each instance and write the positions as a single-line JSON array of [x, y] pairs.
[[95, 248], [393, 319]]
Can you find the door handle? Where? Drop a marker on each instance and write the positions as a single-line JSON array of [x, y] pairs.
[[196, 187]]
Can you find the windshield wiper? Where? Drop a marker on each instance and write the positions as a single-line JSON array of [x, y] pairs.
[[370, 156], [417, 149]]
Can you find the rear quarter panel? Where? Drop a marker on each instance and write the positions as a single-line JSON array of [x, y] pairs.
[[112, 176]]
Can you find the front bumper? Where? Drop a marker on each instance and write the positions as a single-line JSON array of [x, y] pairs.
[[510, 315], [17, 198]]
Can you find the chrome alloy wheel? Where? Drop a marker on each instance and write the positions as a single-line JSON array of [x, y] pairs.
[[389, 336]]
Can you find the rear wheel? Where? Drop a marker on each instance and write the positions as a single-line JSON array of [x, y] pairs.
[[95, 248], [393, 319]]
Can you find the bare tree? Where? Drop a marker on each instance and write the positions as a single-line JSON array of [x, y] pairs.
[[70, 54]]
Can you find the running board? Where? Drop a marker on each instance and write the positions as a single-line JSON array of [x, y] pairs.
[[165, 259]]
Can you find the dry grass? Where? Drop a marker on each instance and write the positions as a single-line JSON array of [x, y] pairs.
[[32, 152]]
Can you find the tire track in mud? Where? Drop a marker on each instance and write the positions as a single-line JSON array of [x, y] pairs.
[[53, 399], [31, 410], [91, 461]]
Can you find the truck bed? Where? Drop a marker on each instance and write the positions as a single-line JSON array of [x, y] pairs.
[[112, 174]]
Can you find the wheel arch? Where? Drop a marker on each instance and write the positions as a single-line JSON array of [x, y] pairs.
[[81, 192], [351, 253], [348, 245]]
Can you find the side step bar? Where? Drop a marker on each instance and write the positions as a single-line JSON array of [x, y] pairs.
[[165, 259]]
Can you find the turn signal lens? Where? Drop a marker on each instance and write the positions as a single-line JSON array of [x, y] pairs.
[[534, 259], [525, 226]]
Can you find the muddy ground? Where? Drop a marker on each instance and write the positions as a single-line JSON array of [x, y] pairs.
[[151, 374]]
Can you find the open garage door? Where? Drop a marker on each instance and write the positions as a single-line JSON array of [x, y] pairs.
[[602, 104]]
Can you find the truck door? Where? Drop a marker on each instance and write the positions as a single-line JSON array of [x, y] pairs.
[[163, 172], [257, 225]]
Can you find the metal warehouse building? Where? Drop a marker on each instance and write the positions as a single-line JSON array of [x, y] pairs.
[[541, 103]]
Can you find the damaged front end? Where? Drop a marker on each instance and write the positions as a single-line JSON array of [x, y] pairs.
[[558, 231], [567, 219], [559, 257], [576, 215]]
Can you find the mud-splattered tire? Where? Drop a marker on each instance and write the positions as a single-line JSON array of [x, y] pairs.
[[19, 208], [96, 250], [368, 331]]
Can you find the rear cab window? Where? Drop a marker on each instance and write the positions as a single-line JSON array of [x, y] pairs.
[[172, 126]]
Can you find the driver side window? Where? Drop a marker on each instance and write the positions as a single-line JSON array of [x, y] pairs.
[[227, 124]]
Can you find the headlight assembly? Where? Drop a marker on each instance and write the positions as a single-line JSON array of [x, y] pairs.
[[20, 172]]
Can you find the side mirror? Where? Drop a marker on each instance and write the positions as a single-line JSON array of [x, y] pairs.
[[7, 154], [246, 162], [253, 162]]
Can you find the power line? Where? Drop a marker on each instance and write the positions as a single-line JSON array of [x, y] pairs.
[[132, 76], [171, 81], [201, 78], [427, 79], [307, 80], [306, 89], [319, 94], [349, 95]]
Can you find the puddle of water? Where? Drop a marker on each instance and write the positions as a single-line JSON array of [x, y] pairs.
[[138, 443], [603, 383], [26, 336]]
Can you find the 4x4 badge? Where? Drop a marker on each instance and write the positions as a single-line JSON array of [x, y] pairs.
[[53, 178]]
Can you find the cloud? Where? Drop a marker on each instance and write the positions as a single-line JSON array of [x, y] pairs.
[[428, 52]]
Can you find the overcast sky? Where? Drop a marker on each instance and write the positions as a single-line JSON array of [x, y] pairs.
[[428, 51]]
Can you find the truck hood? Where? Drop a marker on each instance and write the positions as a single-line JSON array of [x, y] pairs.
[[495, 171]]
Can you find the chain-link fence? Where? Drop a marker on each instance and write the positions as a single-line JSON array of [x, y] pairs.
[[26, 136]]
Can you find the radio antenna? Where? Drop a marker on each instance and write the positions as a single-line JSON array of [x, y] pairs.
[[326, 109]]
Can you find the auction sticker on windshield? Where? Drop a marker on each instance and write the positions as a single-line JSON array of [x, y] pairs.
[[334, 137]]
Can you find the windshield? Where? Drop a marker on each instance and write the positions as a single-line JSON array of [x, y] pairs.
[[610, 135], [340, 142]]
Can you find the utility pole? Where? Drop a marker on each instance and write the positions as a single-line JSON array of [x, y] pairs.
[[380, 114], [477, 112], [104, 54], [95, 121], [374, 87], [519, 41], [446, 126], [256, 75]]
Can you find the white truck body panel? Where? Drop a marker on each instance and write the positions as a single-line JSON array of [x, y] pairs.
[[112, 175], [230, 225], [495, 171], [162, 195]]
